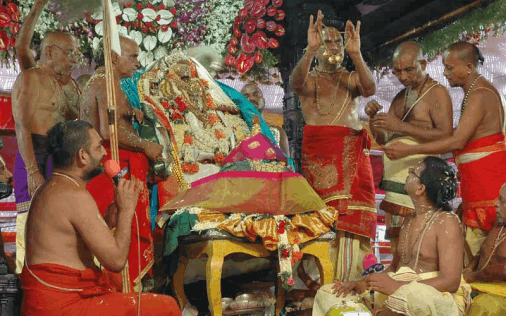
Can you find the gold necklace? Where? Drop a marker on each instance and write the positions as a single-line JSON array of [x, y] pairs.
[[334, 97], [497, 242], [66, 176], [426, 220]]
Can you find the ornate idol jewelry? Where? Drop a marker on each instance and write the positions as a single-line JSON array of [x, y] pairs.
[[464, 102]]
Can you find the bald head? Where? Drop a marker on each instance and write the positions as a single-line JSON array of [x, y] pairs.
[[411, 49], [60, 39], [467, 52]]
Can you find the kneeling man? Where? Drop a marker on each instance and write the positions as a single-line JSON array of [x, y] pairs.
[[65, 230], [425, 277]]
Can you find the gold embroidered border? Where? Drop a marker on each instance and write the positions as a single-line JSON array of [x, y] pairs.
[[144, 271], [337, 197], [23, 206], [362, 208]]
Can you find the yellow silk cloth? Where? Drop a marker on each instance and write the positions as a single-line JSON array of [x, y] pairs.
[[304, 227], [415, 298], [488, 305], [496, 288]]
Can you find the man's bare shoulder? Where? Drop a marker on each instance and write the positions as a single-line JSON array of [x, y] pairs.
[[30, 76], [399, 99], [449, 224]]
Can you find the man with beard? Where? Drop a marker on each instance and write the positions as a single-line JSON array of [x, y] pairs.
[[38, 102], [478, 142], [487, 271], [422, 112], [253, 93], [134, 153], [335, 147], [65, 231]]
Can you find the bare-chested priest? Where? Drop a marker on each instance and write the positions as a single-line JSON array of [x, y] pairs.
[[335, 147], [425, 277], [477, 143], [38, 102], [65, 231], [134, 153], [487, 271], [421, 112]]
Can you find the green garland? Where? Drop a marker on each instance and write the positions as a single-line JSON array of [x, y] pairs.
[[473, 28]]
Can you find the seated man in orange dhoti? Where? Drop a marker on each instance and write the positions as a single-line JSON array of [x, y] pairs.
[[335, 147], [65, 231], [478, 142], [134, 153]]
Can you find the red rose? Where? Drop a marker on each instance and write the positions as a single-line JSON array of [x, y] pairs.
[[229, 60], [271, 11], [128, 4], [277, 3], [149, 24], [165, 28], [139, 6], [234, 41], [280, 15], [149, 6], [260, 23], [271, 26], [173, 24], [248, 45], [232, 49], [161, 7], [260, 39], [140, 16], [173, 11], [258, 57], [273, 43], [243, 13], [280, 30]]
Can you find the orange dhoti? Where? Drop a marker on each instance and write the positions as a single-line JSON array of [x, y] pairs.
[[102, 190], [84, 292], [335, 161]]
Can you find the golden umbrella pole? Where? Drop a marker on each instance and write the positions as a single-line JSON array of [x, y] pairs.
[[111, 102]]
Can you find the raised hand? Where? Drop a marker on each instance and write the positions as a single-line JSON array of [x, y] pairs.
[[372, 108], [127, 193], [313, 32], [352, 38]]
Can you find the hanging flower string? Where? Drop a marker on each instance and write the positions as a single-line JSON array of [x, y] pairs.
[[288, 254]]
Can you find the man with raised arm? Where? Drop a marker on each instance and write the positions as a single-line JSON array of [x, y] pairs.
[[134, 153], [477, 143], [335, 147], [425, 277], [421, 112], [38, 102], [65, 231]]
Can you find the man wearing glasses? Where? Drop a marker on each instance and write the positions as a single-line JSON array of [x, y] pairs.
[[39, 101], [421, 112]]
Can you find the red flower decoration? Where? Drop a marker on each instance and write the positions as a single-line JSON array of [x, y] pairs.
[[210, 102], [5, 19], [280, 15], [128, 4], [285, 253], [229, 60], [149, 6], [158, 17], [12, 9], [250, 25], [260, 23], [188, 139], [271, 26], [219, 134], [296, 256], [258, 11], [271, 11], [263, 2], [182, 107], [14, 27], [237, 32], [260, 39], [248, 4], [247, 43], [243, 13], [280, 30], [127, 24], [234, 41], [176, 116], [219, 159], [161, 7], [212, 119], [237, 21], [140, 16], [273, 43], [173, 11], [277, 3], [165, 105], [139, 6], [165, 27], [173, 24], [190, 167], [204, 83], [232, 49], [149, 24], [258, 57]]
